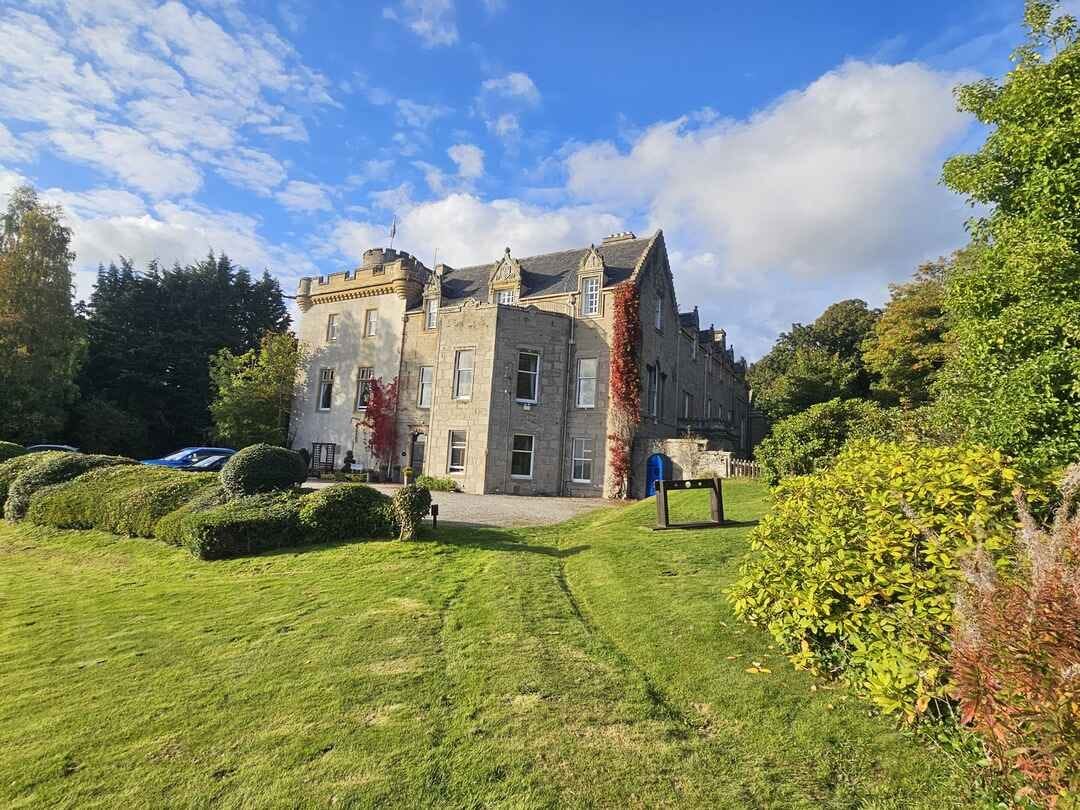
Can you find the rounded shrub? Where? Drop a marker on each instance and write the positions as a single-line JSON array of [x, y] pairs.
[[14, 467], [345, 511], [53, 470], [409, 505], [811, 439], [10, 450], [262, 468], [170, 529], [244, 526], [855, 569]]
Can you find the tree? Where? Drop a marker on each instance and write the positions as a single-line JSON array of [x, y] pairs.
[[907, 347], [151, 335], [380, 420], [1013, 374], [815, 363], [254, 391], [39, 330]]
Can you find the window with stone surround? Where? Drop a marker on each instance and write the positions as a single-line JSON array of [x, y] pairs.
[[687, 404], [521, 456], [581, 456], [331, 327], [326, 388], [431, 313], [527, 388], [659, 311], [371, 323], [504, 297], [363, 387], [590, 300], [650, 373], [455, 462], [586, 382], [425, 384], [463, 374]]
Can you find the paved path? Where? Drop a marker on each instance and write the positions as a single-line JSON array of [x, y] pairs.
[[497, 510]]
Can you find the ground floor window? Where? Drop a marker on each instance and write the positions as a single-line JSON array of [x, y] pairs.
[[521, 457], [326, 388], [582, 456], [456, 462], [363, 387]]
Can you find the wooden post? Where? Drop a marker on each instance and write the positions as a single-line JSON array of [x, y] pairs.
[[661, 505], [717, 501]]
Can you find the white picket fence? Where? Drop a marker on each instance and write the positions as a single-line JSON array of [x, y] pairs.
[[741, 468]]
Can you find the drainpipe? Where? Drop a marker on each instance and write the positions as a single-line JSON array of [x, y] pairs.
[[572, 305]]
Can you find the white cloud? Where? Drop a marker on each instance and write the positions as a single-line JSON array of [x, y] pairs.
[[11, 148], [420, 116], [467, 230], [469, 159], [370, 170], [300, 195], [516, 85], [505, 126], [251, 169], [431, 20]]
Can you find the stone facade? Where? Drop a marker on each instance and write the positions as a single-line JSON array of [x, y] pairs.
[[536, 332]]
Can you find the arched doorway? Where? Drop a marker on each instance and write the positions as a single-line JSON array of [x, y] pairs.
[[657, 468], [419, 450]]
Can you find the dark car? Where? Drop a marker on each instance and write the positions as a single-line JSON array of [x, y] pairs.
[[188, 456], [44, 448], [208, 464]]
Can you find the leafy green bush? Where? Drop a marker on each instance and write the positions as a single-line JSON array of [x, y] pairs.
[[10, 450], [344, 511], [410, 504], [126, 499], [14, 467], [170, 529], [855, 568], [444, 484], [244, 526], [55, 470], [262, 468], [811, 439]]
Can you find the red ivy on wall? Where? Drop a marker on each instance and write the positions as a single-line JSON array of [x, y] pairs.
[[380, 419], [625, 384]]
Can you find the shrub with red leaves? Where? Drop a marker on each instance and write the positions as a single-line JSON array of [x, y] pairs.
[[380, 419], [1016, 656]]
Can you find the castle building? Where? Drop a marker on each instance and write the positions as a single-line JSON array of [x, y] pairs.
[[503, 369]]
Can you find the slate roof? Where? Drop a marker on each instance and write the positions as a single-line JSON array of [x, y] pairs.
[[548, 274]]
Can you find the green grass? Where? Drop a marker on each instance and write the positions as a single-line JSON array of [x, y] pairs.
[[590, 664]]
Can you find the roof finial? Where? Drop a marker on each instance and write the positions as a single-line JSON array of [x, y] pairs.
[[507, 250]]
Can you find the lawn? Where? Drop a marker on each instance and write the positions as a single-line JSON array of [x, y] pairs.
[[594, 663]]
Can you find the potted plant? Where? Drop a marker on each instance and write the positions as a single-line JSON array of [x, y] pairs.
[[408, 475]]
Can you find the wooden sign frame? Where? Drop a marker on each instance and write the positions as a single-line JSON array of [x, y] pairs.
[[716, 503]]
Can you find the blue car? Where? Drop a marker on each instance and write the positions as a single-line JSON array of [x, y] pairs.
[[189, 456]]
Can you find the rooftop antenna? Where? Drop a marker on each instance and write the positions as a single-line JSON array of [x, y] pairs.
[[435, 259], [393, 233]]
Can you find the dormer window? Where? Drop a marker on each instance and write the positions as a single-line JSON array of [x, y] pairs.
[[590, 299], [431, 313], [504, 297]]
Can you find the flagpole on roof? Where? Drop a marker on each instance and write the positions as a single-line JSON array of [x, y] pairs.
[[393, 233]]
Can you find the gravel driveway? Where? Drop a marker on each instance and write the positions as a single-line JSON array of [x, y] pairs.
[[497, 510]]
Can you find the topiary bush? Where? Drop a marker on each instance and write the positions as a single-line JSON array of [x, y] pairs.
[[127, 499], [855, 567], [810, 440], [244, 526], [409, 505], [345, 511], [14, 467], [54, 470], [170, 529], [444, 484], [10, 450], [262, 468]]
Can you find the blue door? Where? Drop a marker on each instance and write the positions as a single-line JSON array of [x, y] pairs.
[[657, 468]]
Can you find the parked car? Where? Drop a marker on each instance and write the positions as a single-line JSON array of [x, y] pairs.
[[43, 448], [208, 464], [188, 456]]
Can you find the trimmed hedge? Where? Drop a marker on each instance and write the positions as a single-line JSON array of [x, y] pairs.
[[170, 529], [444, 484], [345, 511], [855, 569], [124, 499], [11, 450], [262, 468], [244, 526], [54, 470], [14, 467], [410, 504]]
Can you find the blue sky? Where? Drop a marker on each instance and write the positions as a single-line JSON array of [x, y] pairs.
[[790, 151]]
